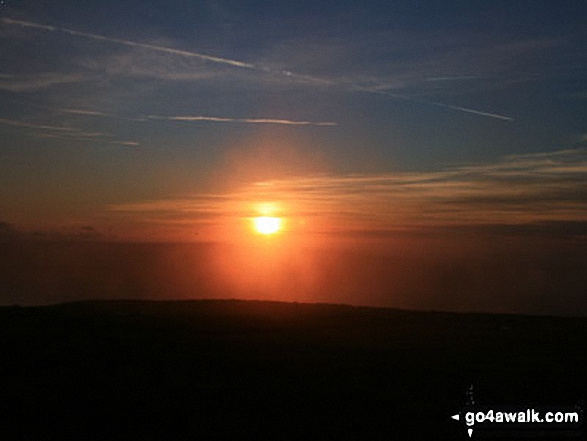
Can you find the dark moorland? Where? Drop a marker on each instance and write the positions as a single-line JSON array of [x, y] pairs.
[[228, 369]]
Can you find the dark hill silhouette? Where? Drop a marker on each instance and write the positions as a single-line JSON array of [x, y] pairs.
[[225, 369]]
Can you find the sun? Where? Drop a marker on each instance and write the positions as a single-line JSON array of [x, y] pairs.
[[267, 225]]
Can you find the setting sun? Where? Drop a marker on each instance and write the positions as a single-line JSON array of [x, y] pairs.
[[267, 225]]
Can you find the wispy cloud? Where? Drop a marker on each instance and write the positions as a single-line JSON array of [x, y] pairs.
[[29, 24], [84, 112], [127, 143], [517, 190], [90, 137], [77, 135], [435, 103], [144, 63], [17, 123], [243, 120], [467, 110], [454, 78], [295, 76], [25, 83], [69, 134], [453, 65], [168, 50], [381, 88], [99, 114]]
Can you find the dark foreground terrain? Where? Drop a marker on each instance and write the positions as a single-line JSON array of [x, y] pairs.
[[235, 369]]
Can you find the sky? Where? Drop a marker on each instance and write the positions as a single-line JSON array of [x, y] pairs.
[[357, 123]]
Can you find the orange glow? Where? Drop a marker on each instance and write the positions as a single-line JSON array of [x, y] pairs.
[[267, 225]]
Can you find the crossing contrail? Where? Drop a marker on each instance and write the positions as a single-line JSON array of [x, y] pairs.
[[241, 64], [130, 43]]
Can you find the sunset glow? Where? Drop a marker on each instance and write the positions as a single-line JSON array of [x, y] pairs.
[[391, 154], [267, 225], [292, 217]]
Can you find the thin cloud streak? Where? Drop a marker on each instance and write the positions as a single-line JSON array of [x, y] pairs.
[[287, 122], [454, 78], [464, 109], [67, 133], [517, 191], [29, 24], [101, 138], [131, 43], [84, 112], [127, 143], [78, 135], [433, 103], [243, 120], [41, 81], [100, 114], [16, 123], [295, 76]]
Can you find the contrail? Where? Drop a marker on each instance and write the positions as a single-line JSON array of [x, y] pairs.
[[28, 24], [131, 43], [240, 64], [464, 109], [433, 103], [243, 120]]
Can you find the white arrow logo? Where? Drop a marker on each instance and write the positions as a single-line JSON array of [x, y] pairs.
[[456, 417]]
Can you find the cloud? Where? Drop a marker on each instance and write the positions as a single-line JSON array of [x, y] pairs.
[[98, 113], [28, 83], [455, 78], [83, 112], [86, 232], [381, 87], [127, 143], [168, 50], [29, 24], [96, 137], [436, 104], [543, 189], [243, 120], [144, 63], [287, 122], [69, 133], [17, 123], [419, 65], [290, 75], [467, 110], [77, 135]]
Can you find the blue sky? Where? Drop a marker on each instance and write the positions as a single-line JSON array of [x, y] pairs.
[[110, 105]]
